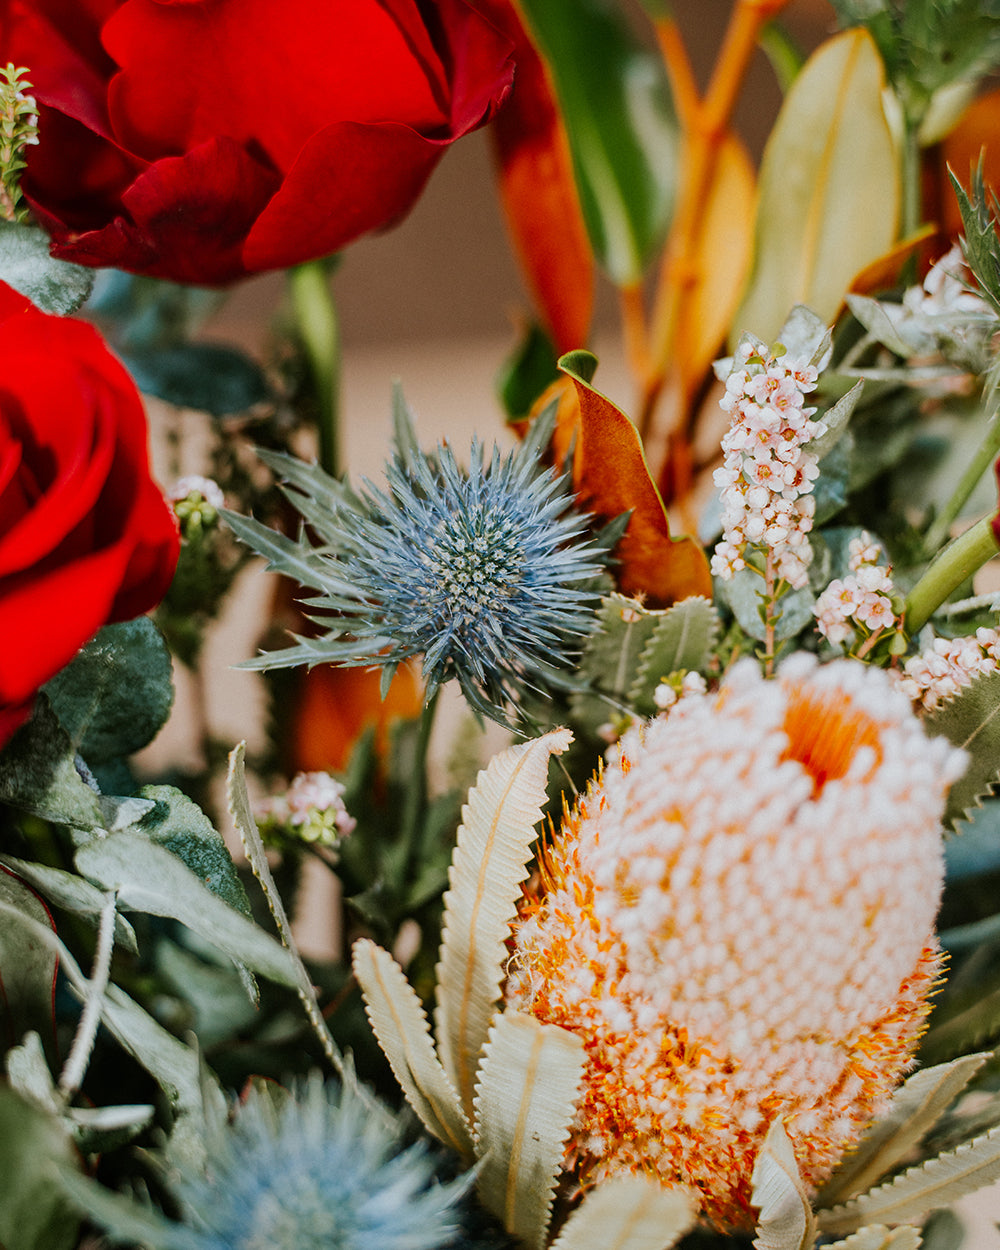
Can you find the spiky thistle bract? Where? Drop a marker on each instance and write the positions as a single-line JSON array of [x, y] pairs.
[[321, 1168], [485, 572]]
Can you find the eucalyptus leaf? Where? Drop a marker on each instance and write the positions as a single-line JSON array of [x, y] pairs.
[[116, 694], [148, 878], [27, 966], [179, 825], [55, 286], [34, 1213], [971, 720], [209, 377], [28, 1073], [743, 594], [614, 98], [125, 1220], [829, 187], [216, 994], [72, 893], [38, 773], [836, 419]]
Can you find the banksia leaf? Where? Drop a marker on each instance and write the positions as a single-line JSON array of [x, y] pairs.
[[971, 720], [400, 1024], [915, 1108], [489, 864], [681, 638], [878, 1237], [937, 1183], [627, 1213], [529, 1081], [786, 1221]]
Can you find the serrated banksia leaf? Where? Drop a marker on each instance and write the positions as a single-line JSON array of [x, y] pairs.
[[738, 921]]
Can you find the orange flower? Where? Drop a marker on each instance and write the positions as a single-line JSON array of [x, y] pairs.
[[738, 920]]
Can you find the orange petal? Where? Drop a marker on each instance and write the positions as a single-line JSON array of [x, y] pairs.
[[883, 273], [538, 191], [611, 476], [978, 130], [336, 705]]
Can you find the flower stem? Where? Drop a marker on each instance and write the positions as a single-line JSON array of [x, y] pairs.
[[416, 795], [937, 533], [319, 331], [957, 562], [75, 1068]]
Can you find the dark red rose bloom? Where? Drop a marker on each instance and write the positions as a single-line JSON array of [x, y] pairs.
[[203, 140], [86, 537]]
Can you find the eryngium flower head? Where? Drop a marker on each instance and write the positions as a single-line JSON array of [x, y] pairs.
[[482, 572], [738, 920], [326, 1170]]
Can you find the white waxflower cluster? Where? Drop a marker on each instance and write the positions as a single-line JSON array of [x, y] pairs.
[[945, 290], [675, 687], [767, 476], [949, 664], [312, 807], [863, 598]]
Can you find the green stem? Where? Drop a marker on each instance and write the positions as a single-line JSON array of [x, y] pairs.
[[910, 207], [316, 322], [981, 461], [953, 566], [416, 794]]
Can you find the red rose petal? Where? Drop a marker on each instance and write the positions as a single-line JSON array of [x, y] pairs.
[[349, 178], [189, 216], [259, 72]]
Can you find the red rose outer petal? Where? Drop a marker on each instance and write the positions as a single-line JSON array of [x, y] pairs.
[[349, 178], [189, 217], [260, 73]]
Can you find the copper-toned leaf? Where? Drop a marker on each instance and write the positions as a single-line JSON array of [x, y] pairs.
[[611, 476], [538, 191], [978, 133]]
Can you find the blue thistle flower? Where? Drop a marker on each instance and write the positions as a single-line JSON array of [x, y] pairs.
[[486, 573], [324, 1170]]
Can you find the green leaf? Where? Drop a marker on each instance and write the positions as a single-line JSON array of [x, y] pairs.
[[743, 594], [116, 694], [27, 966], [526, 373], [71, 893], [124, 1220], [216, 995], [150, 879], [25, 264], [681, 640], [829, 188], [971, 720], [611, 658], [180, 826], [615, 100], [38, 773], [208, 377], [34, 1214]]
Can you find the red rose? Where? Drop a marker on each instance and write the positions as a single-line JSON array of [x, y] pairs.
[[202, 140], [85, 535]]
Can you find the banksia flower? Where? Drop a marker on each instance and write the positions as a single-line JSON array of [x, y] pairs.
[[738, 921]]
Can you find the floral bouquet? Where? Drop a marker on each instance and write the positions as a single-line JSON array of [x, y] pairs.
[[699, 945]]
